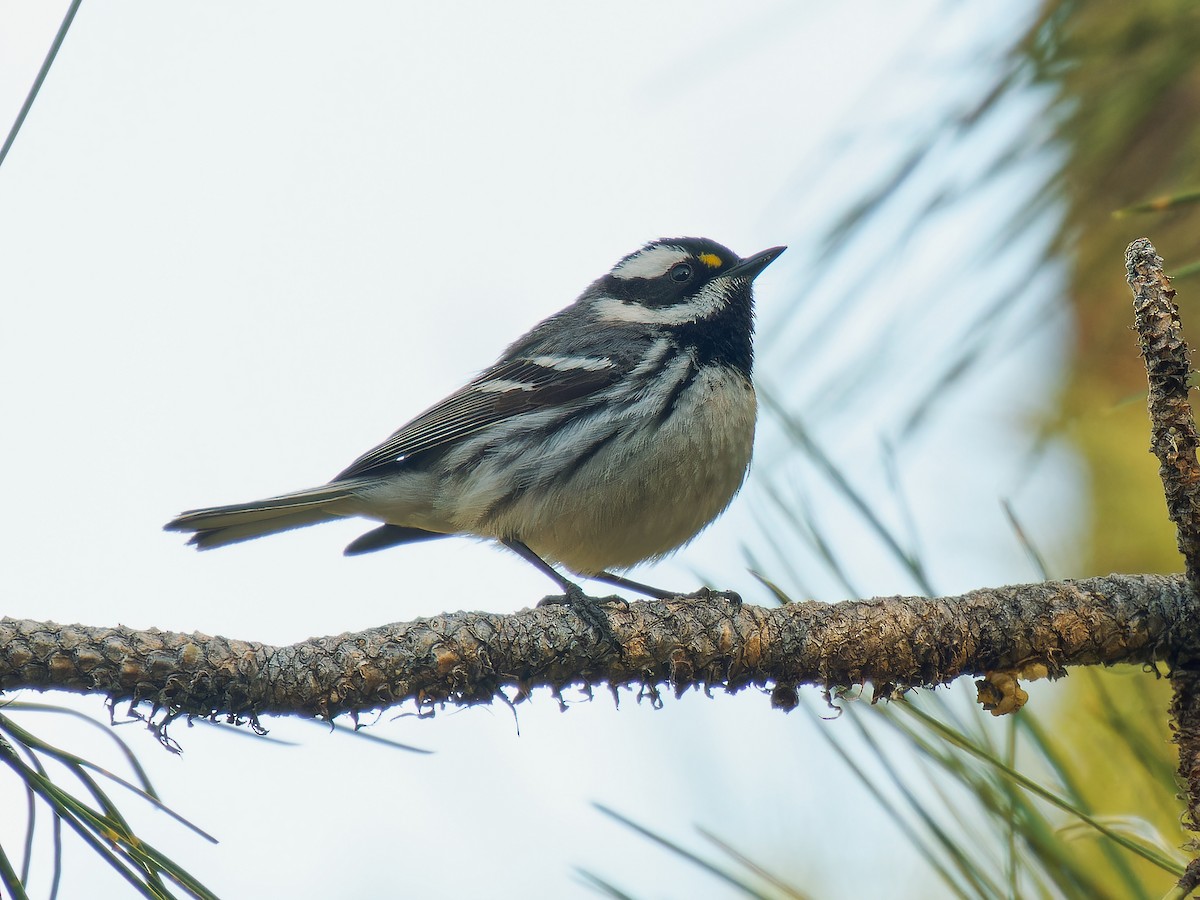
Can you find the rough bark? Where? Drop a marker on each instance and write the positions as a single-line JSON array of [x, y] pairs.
[[1173, 440], [1168, 372], [472, 657]]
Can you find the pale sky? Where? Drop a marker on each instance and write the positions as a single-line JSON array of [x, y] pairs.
[[242, 243]]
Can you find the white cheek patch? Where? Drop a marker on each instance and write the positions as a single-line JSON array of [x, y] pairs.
[[651, 262], [710, 301]]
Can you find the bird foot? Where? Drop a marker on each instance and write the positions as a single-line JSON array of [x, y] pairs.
[[734, 598], [575, 596], [590, 610]]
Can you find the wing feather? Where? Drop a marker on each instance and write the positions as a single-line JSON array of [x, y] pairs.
[[508, 389]]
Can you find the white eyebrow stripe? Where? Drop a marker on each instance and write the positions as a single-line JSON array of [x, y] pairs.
[[650, 263], [572, 363], [504, 385]]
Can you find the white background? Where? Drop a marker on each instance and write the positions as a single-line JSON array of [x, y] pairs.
[[241, 243]]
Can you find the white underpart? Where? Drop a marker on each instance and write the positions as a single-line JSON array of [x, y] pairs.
[[651, 359], [660, 388], [650, 263], [650, 488], [648, 491], [572, 363], [710, 301]]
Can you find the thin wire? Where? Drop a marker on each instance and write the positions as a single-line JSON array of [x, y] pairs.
[[41, 76]]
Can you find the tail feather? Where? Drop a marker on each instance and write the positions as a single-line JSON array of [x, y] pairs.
[[217, 526], [388, 536]]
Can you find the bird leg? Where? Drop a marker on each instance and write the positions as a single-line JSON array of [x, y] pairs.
[[734, 598], [589, 609], [629, 584], [658, 594]]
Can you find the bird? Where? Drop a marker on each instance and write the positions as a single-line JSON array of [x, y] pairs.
[[610, 434]]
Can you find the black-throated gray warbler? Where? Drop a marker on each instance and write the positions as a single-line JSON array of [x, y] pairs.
[[610, 434]]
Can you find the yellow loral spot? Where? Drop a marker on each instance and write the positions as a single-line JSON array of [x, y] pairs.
[[711, 260]]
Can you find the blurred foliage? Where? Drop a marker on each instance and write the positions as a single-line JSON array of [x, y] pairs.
[[1080, 799], [997, 809], [1021, 817], [1125, 78], [719, 859], [75, 792], [1074, 801], [1126, 84], [1123, 113]]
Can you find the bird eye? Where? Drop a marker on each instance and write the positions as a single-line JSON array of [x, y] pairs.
[[681, 273]]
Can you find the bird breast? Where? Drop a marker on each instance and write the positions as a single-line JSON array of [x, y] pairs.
[[646, 489]]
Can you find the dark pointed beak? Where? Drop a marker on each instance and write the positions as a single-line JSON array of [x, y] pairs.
[[751, 266]]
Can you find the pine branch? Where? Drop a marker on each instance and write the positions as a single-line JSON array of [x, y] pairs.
[[472, 657], [893, 642], [1173, 440], [1168, 371]]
